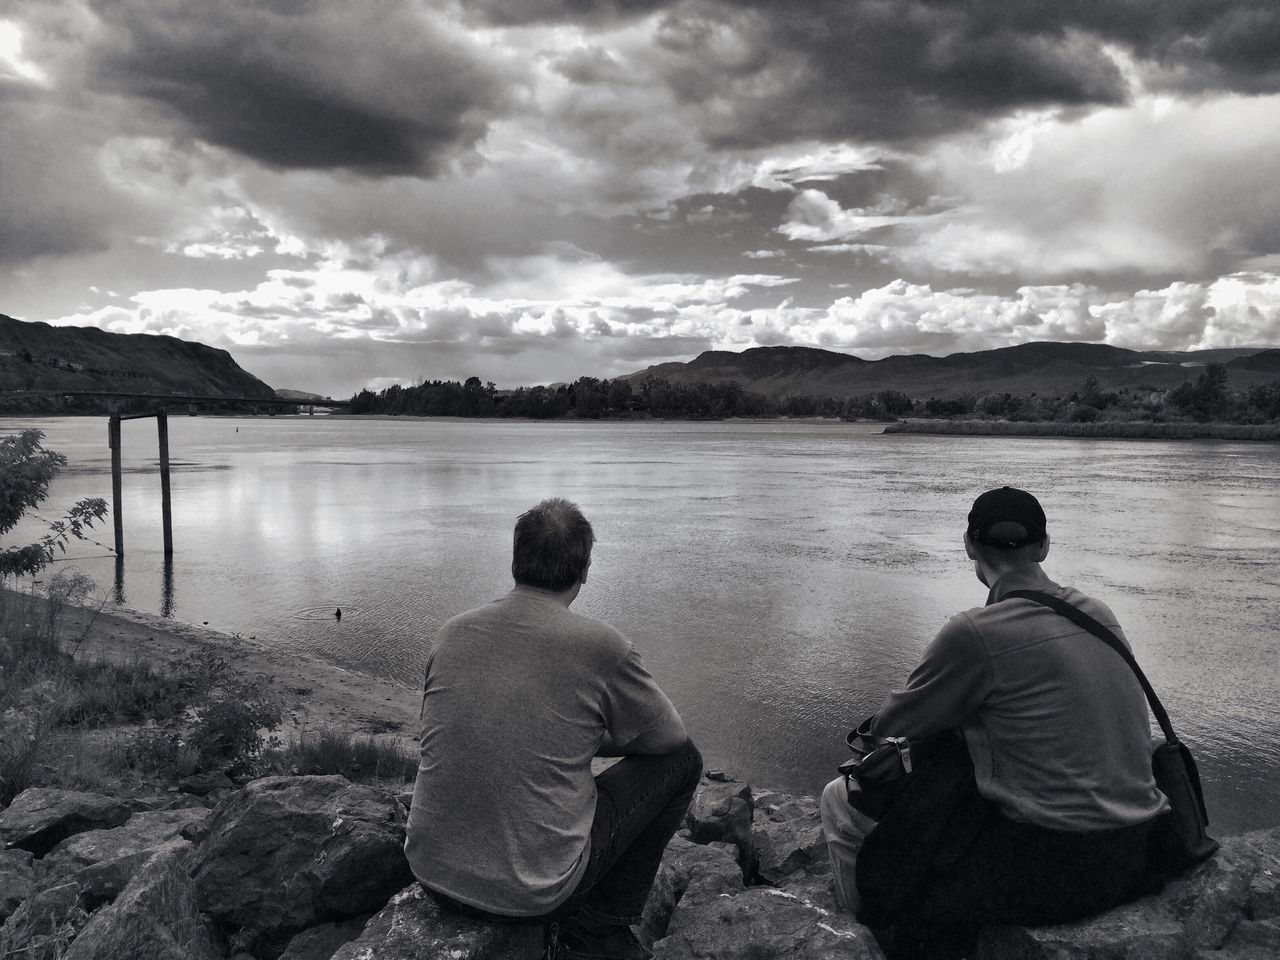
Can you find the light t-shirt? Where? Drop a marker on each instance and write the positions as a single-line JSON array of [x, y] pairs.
[[518, 697]]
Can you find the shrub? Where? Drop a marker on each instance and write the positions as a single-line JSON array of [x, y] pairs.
[[230, 711]]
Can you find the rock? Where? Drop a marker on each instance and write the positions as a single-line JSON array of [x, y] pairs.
[[788, 838], [128, 846], [710, 870], [722, 811], [766, 923], [42, 817], [154, 918], [17, 880], [44, 924], [199, 784], [103, 882], [287, 853], [1225, 907], [413, 926], [321, 942]]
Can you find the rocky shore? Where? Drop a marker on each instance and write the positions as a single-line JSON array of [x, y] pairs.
[[312, 868]]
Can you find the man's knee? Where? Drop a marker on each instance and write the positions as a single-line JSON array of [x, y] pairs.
[[690, 759], [835, 805]]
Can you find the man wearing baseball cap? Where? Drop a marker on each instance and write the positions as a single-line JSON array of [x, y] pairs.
[[1052, 825]]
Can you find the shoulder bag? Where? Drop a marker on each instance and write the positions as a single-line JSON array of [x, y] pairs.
[[1180, 840]]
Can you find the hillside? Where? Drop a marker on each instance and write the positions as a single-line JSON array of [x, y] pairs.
[[1047, 368], [37, 356]]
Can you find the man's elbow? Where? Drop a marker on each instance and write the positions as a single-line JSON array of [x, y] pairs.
[[663, 740]]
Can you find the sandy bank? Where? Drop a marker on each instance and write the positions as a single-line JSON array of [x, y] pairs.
[[321, 693]]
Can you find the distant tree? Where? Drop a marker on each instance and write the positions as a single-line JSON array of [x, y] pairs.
[[26, 470], [1207, 399]]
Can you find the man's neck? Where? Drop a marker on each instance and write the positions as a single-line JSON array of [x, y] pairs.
[[1020, 576], [562, 597]]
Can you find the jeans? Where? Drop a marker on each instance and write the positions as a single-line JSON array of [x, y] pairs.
[[641, 802]]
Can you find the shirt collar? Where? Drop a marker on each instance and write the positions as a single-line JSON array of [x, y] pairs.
[[1027, 576]]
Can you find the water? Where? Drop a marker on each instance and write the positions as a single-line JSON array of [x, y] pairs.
[[778, 577]]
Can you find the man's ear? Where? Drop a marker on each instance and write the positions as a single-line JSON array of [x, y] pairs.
[[968, 547], [1044, 549]]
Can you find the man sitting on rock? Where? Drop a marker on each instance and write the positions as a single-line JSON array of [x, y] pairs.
[[507, 821], [1052, 822]]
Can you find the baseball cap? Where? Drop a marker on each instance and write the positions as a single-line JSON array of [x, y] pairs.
[[1006, 518]]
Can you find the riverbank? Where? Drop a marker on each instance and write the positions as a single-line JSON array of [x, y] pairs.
[[319, 694], [1097, 429]]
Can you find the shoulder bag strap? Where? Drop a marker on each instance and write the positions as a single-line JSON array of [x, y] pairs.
[[1082, 619]]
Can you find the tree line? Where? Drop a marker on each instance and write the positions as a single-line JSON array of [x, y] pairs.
[[1209, 398]]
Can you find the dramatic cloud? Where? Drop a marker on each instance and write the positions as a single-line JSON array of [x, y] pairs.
[[541, 190], [384, 86]]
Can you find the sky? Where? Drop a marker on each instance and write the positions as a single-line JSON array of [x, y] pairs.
[[354, 194]]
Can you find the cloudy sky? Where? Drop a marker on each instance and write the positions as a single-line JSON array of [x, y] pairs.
[[358, 193]]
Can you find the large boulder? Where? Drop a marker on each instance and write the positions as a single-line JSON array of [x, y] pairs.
[[1227, 908], [787, 837], [763, 922], [103, 861], [42, 817], [156, 917], [287, 853], [17, 880], [687, 869], [413, 926], [322, 942], [722, 811]]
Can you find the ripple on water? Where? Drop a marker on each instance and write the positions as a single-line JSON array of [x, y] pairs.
[[328, 612]]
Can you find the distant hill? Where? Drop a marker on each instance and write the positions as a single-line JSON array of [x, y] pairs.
[[38, 356], [1048, 368]]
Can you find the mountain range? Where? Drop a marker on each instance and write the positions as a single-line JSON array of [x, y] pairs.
[[38, 356], [1041, 367]]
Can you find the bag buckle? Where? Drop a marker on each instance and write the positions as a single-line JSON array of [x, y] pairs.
[[904, 751]]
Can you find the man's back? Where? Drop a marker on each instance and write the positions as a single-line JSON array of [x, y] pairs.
[[518, 696], [1055, 721]]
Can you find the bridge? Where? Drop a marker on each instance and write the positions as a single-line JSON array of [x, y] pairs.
[[188, 398]]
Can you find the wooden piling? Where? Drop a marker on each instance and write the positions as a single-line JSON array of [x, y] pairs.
[[117, 512], [166, 510]]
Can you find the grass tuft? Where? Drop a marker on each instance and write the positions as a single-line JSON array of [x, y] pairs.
[[361, 758]]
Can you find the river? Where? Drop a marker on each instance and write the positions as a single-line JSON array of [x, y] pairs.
[[777, 576]]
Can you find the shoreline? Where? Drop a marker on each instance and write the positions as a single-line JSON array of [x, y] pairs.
[[319, 694], [1094, 430]]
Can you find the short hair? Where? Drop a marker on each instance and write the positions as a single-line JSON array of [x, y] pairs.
[[552, 546]]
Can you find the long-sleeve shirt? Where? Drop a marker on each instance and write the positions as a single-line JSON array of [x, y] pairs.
[[1055, 721]]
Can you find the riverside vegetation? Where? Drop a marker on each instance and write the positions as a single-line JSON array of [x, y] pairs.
[[1208, 399]]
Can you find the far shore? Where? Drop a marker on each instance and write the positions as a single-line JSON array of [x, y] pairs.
[[1095, 430]]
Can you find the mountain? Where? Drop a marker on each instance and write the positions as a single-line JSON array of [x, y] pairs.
[[37, 356], [1042, 367]]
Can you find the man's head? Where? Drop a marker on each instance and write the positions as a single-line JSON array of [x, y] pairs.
[[552, 548], [1006, 528]]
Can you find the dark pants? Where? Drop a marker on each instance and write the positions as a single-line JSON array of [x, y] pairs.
[[982, 868], [640, 803]]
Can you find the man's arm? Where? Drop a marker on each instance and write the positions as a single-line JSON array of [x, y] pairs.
[[944, 688], [663, 738], [638, 717]]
